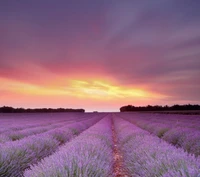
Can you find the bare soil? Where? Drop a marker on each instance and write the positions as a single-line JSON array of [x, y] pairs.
[[119, 170]]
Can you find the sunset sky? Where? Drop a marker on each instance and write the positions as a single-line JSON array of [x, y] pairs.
[[99, 54]]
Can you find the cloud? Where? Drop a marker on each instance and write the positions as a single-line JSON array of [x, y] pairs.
[[151, 45]]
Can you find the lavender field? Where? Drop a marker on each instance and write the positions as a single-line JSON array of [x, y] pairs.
[[99, 145]]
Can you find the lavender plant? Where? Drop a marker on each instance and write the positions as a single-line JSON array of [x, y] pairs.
[[88, 155], [146, 155], [17, 135], [16, 156], [17, 122], [181, 131]]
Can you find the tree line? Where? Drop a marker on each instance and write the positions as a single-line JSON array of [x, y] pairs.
[[7, 109], [160, 108]]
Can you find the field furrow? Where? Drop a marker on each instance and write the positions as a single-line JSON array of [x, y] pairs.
[[100, 145], [146, 155], [118, 167], [16, 156], [174, 129], [20, 134], [88, 155], [18, 122]]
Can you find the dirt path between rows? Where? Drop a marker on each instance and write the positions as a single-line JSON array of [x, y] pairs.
[[119, 171]]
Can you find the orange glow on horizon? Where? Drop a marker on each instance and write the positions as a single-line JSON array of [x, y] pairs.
[[98, 89]]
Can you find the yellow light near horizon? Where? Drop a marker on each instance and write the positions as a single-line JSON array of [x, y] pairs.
[[98, 89], [85, 89]]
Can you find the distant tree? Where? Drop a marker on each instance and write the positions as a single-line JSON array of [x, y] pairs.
[[7, 109], [175, 107]]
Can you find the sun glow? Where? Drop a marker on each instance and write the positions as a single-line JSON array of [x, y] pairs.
[[83, 89], [104, 90], [89, 93]]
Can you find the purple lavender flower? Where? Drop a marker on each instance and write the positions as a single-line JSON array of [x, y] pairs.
[[88, 155], [148, 156]]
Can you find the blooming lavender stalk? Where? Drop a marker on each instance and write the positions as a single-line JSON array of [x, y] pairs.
[[17, 122], [182, 133], [13, 135], [146, 155], [17, 135], [16, 156], [88, 155], [186, 138]]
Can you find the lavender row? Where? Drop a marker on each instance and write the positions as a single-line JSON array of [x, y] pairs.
[[17, 135], [16, 156], [15, 122], [88, 155], [147, 155], [189, 121], [177, 135]]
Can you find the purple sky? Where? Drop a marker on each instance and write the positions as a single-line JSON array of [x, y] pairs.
[[152, 44]]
